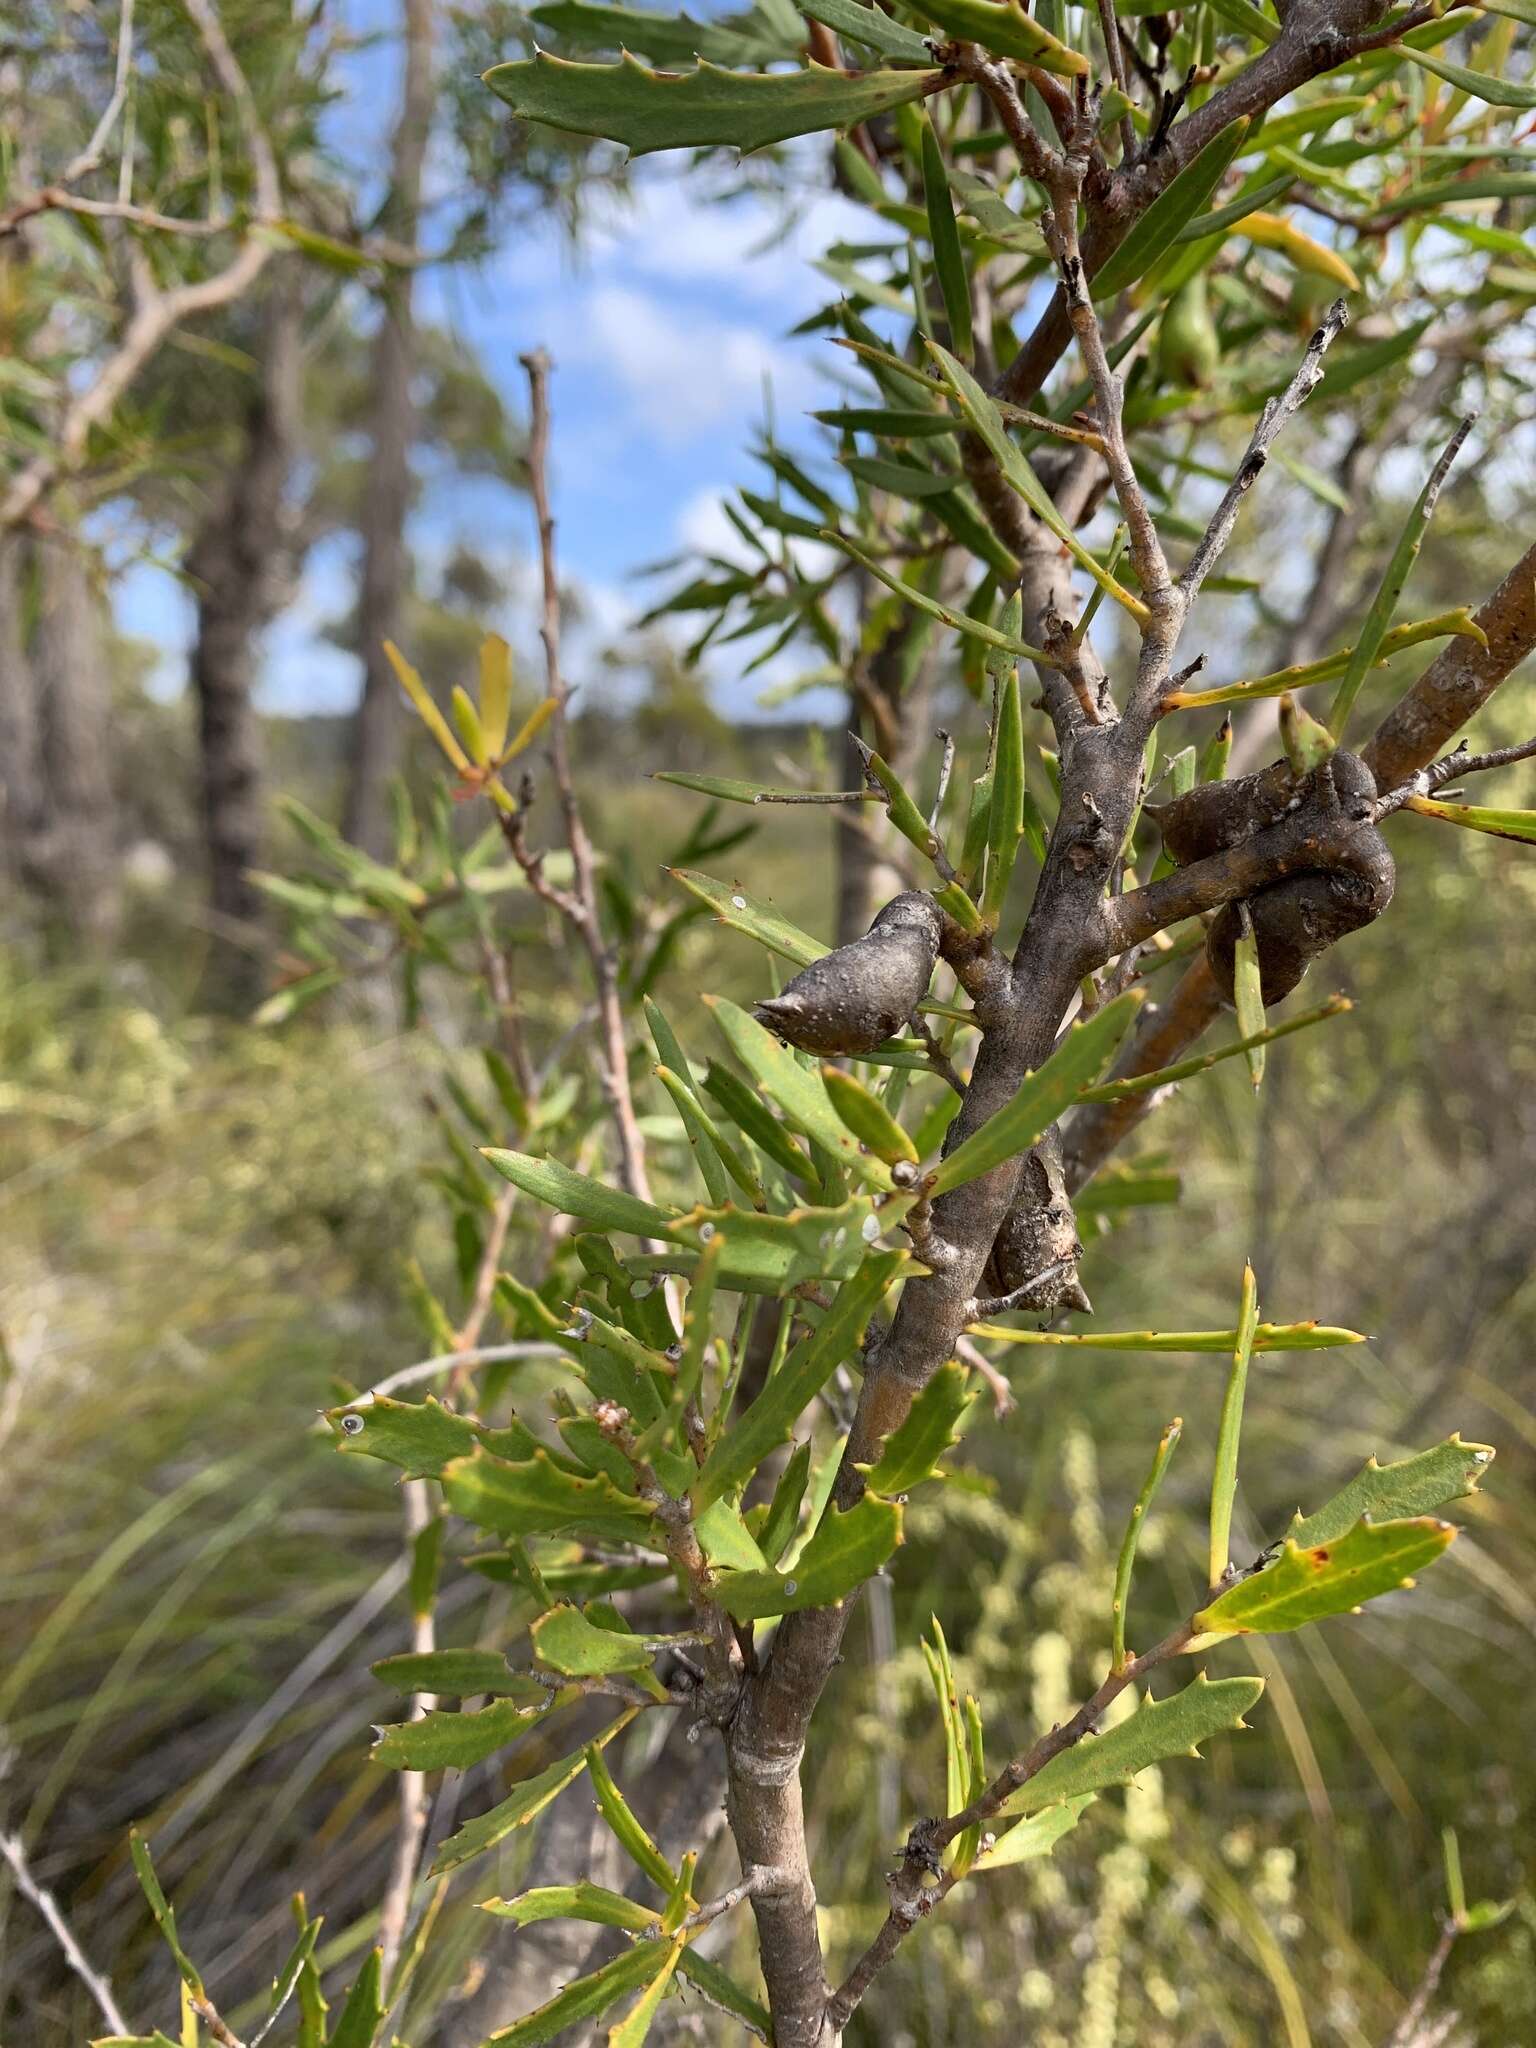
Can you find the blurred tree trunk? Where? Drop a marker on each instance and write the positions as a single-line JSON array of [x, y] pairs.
[[23, 798], [237, 562], [377, 738], [77, 843]]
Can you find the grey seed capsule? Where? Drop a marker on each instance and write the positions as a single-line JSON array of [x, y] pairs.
[[854, 998]]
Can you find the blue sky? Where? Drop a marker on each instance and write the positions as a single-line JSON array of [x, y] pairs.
[[667, 325]]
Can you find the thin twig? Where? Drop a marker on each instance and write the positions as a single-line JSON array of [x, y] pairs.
[[579, 907], [446, 1361], [1277, 411], [91, 155], [761, 1878], [16, 1858], [1405, 2032], [1110, 28]]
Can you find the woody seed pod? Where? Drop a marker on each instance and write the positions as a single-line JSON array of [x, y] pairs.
[[1039, 1231], [854, 998], [1301, 916]]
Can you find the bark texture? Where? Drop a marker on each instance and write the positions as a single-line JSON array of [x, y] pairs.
[[237, 564], [392, 416]]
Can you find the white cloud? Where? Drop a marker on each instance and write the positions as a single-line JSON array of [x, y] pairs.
[[683, 373]]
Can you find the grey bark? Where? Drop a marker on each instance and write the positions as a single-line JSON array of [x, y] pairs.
[[77, 846], [376, 743], [236, 563], [23, 798]]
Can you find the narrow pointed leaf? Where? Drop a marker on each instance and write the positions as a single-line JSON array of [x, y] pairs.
[[773, 1415], [962, 622], [1412, 1486], [872, 27], [495, 692], [1518, 825], [650, 110], [723, 1990], [627, 1830], [1004, 28], [866, 1117], [1005, 820], [1482, 85], [1247, 994], [636, 2024], [1310, 1582], [527, 1801], [1184, 1070], [1172, 210], [575, 1195], [1159, 1729], [1126, 1563], [586, 1998], [948, 256], [363, 2014], [799, 1093], [1268, 1337], [760, 921], [1043, 1097], [784, 1508], [1229, 1432]]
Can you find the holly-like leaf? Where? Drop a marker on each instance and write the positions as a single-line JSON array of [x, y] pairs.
[[783, 1517], [1036, 1835], [587, 1997], [933, 1423], [574, 1194], [580, 1901], [441, 1741], [1412, 1486], [534, 1496], [650, 110], [627, 1830], [1043, 1096], [564, 1640], [664, 38], [526, 1803], [872, 27], [773, 1415], [636, 2023], [1309, 1582], [766, 1254], [456, 1672], [723, 1990], [846, 1548], [1158, 1729], [363, 2013]]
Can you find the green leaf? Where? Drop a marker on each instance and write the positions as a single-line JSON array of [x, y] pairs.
[[1444, 191], [1036, 1835], [1126, 1563], [564, 1640], [758, 920], [1227, 216], [1157, 1730], [665, 38], [729, 790], [784, 1509], [534, 1496], [703, 1137], [162, 1909], [581, 1901], [1398, 570], [724, 1991], [1224, 1475], [763, 1254], [1199, 1063], [1268, 1337], [845, 1549], [1482, 85], [1042, 1097], [902, 479], [911, 1452], [1247, 994], [948, 256], [636, 2024], [527, 1801], [1173, 209], [455, 1672], [871, 26], [575, 1195], [1308, 1583], [1412, 1486], [627, 1831], [984, 416], [1005, 817], [773, 1415], [441, 1740], [866, 1117], [586, 1998], [753, 1118], [419, 1437], [363, 2013], [800, 1093], [650, 110], [962, 622], [1006, 30], [1518, 825]]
